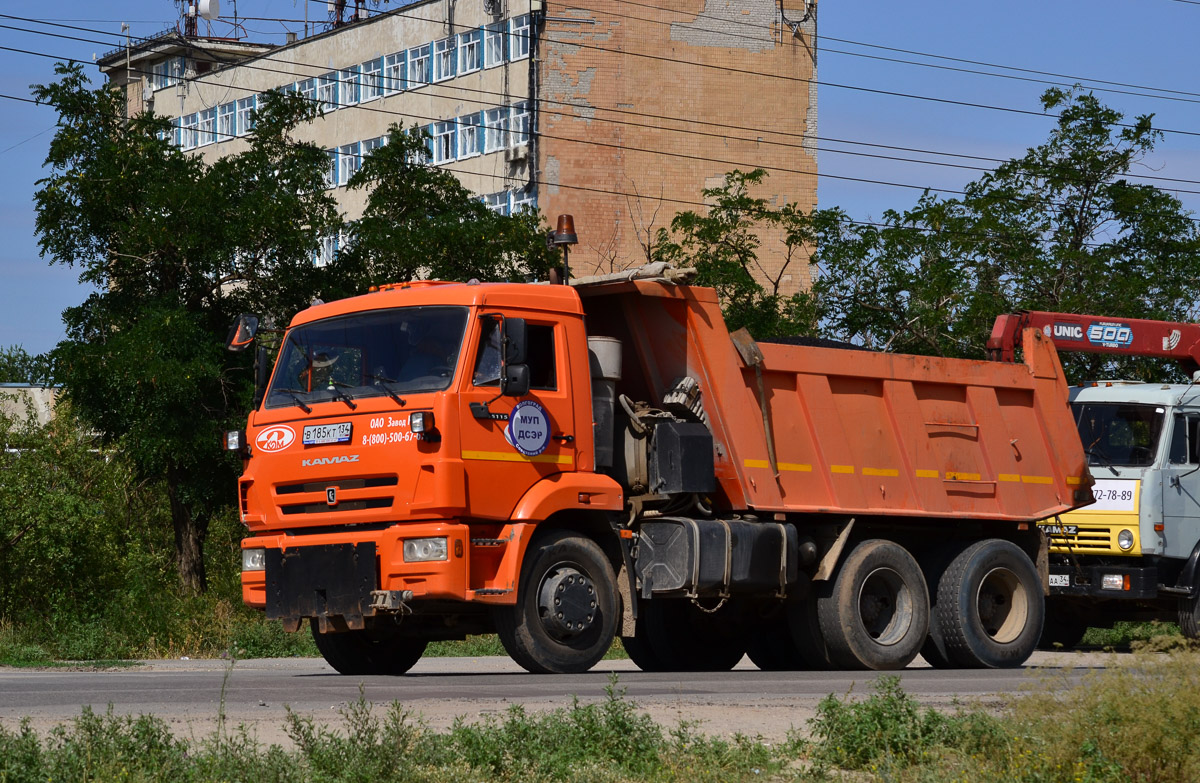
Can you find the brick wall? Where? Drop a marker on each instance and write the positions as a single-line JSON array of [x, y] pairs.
[[624, 145]]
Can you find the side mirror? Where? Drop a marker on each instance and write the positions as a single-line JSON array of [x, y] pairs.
[[242, 333], [262, 374], [516, 381], [514, 341]]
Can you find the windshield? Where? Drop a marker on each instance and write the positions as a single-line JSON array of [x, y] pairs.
[[1115, 434], [372, 354]]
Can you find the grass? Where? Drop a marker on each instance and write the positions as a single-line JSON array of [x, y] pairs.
[[1135, 722], [1124, 635]]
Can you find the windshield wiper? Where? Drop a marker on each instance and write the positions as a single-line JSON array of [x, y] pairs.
[[295, 400], [1102, 458], [341, 395], [383, 384]]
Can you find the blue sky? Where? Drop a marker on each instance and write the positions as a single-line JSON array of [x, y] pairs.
[[1148, 43]]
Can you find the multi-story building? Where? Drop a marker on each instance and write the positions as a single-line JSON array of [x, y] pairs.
[[619, 112]]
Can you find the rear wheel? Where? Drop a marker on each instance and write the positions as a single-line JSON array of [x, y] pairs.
[[773, 646], [684, 636], [369, 651], [566, 613], [1064, 626], [1189, 614], [875, 614], [990, 608]]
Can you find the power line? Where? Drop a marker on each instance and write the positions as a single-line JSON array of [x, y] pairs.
[[616, 146]]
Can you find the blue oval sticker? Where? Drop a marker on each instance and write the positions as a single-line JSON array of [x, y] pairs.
[[529, 428]]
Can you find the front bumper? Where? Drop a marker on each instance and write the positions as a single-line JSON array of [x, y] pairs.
[[335, 569], [1089, 581]]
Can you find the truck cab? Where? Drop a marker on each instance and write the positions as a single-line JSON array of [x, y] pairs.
[[1132, 554]]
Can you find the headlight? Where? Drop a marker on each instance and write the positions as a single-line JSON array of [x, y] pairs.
[[420, 550], [421, 422], [254, 560], [1125, 540], [235, 440]]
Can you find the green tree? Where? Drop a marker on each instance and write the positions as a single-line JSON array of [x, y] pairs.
[[420, 222], [18, 366], [724, 244], [1061, 228], [174, 249]]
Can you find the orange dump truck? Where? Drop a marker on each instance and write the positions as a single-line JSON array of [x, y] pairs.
[[566, 464]]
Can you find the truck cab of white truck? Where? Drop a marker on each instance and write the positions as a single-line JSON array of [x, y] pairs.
[[1133, 554]]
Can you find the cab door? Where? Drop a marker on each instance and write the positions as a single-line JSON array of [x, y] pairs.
[[510, 443], [1181, 489]]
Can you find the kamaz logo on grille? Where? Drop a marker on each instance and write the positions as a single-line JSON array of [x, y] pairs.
[[1068, 332], [308, 463], [1110, 335]]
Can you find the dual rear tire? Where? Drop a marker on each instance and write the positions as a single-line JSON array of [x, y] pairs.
[[976, 607]]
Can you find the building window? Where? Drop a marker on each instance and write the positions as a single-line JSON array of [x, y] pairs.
[[518, 47], [207, 126], [370, 145], [348, 86], [158, 76], [349, 162], [393, 73], [493, 44], [469, 139], [444, 148], [307, 89], [189, 136], [443, 59], [370, 80], [495, 129], [245, 115], [470, 54], [226, 121], [525, 199], [519, 126], [327, 251], [418, 66], [331, 171], [497, 202], [327, 92]]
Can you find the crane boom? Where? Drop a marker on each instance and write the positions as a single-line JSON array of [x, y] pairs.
[[1099, 334]]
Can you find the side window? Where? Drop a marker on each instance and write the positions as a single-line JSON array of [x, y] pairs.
[[543, 373], [540, 357], [1185, 440]]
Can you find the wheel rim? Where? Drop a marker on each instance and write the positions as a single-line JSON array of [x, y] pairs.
[[567, 602], [1002, 604], [885, 606]]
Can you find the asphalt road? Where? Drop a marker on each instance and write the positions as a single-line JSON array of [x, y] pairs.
[[188, 694]]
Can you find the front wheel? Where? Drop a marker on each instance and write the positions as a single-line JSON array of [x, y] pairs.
[[369, 651], [990, 608], [566, 613]]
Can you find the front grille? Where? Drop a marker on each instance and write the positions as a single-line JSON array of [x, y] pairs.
[[347, 483], [1089, 539], [325, 508]]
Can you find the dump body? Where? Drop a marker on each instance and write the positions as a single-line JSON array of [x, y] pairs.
[[857, 432]]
